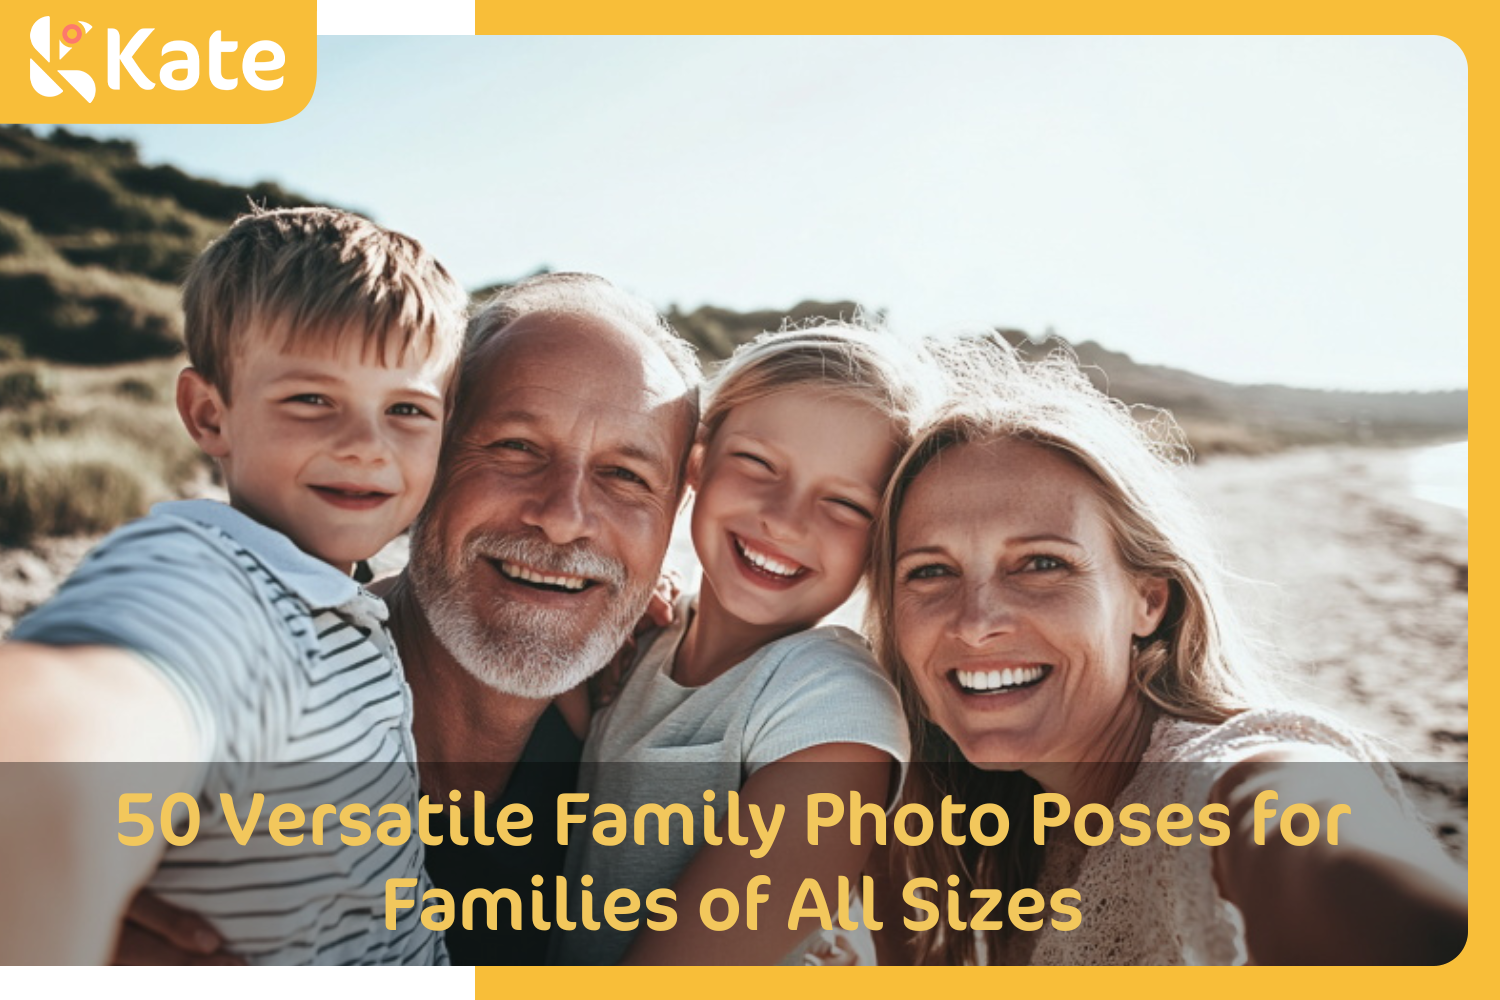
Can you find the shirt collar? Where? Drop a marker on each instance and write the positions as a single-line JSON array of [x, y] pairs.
[[314, 581]]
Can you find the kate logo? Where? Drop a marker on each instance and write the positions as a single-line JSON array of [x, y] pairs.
[[41, 40]]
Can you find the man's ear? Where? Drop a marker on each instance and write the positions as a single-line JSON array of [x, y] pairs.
[[202, 411], [1153, 591]]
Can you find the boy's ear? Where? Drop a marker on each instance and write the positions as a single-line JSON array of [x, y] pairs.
[[202, 411]]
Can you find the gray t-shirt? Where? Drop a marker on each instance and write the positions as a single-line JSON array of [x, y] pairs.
[[285, 666], [660, 742]]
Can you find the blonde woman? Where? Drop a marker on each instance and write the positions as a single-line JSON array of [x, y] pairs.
[[1055, 624]]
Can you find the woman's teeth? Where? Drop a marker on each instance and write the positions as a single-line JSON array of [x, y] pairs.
[[765, 562], [999, 680]]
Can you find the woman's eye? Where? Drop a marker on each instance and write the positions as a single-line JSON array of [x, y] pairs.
[[930, 571], [408, 410], [1042, 564]]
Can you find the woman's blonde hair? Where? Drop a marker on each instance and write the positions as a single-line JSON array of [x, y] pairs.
[[1195, 665]]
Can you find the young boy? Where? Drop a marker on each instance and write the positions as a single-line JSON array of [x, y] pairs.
[[322, 348]]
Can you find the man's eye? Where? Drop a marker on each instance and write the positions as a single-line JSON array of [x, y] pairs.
[[408, 410], [512, 444], [622, 473], [929, 571]]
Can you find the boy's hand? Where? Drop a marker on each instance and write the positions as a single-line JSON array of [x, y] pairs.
[[157, 933]]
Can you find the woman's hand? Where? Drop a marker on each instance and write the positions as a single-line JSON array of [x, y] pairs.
[[1385, 894]]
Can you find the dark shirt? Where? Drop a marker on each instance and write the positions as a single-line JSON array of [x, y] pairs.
[[548, 768]]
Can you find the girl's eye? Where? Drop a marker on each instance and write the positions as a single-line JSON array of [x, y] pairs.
[[755, 459], [1042, 564], [852, 506], [930, 571], [408, 410]]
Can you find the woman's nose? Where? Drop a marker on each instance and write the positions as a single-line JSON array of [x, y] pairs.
[[984, 614]]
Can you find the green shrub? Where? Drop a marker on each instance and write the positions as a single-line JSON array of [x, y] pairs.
[[11, 348], [25, 386]]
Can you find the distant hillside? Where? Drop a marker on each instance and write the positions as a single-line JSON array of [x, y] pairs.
[[93, 242]]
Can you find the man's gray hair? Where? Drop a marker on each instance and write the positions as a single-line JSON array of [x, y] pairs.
[[571, 293]]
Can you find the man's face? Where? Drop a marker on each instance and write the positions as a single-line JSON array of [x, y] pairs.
[[554, 503]]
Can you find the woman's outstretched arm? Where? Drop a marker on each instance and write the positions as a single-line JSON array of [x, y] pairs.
[[1385, 894]]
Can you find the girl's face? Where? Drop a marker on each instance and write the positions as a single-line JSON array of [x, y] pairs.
[[787, 490], [1014, 612]]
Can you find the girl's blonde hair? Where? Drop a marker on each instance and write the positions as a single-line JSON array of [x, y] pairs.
[[843, 360], [1195, 665]]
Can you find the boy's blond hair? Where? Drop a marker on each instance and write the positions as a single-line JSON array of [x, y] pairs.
[[317, 275]]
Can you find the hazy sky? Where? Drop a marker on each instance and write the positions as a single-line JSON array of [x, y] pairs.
[[1260, 209]]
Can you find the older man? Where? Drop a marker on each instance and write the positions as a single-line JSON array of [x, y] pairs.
[[561, 477]]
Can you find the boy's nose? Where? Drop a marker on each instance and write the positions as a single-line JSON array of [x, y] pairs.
[[360, 439]]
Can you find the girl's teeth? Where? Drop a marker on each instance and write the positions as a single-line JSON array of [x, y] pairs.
[[765, 562], [997, 680]]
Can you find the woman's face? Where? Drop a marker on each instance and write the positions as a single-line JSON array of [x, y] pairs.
[[1013, 610]]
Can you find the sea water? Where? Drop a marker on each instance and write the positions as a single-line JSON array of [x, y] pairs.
[[1441, 474]]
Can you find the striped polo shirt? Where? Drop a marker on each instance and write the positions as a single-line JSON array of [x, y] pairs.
[[287, 669]]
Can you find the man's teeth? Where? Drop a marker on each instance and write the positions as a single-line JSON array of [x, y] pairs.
[[518, 572], [765, 562], [995, 680]]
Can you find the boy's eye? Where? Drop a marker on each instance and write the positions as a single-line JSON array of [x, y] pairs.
[[310, 398], [408, 410]]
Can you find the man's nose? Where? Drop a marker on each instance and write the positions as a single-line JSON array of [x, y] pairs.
[[559, 507], [984, 613]]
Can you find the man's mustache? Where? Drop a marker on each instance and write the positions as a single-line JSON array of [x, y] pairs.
[[576, 559]]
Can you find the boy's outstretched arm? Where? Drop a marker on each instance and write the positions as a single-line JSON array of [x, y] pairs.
[[68, 878]]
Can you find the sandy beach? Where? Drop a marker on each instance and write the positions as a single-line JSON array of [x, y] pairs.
[[1354, 584]]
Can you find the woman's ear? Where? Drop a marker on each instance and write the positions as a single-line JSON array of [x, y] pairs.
[[202, 410], [1153, 592]]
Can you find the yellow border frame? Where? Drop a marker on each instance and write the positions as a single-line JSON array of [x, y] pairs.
[[1471, 27]]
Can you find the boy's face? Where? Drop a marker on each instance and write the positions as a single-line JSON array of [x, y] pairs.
[[331, 447]]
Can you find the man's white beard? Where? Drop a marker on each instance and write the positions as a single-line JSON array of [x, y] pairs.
[[524, 651]]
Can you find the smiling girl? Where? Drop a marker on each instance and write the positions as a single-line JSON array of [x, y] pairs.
[[745, 693]]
